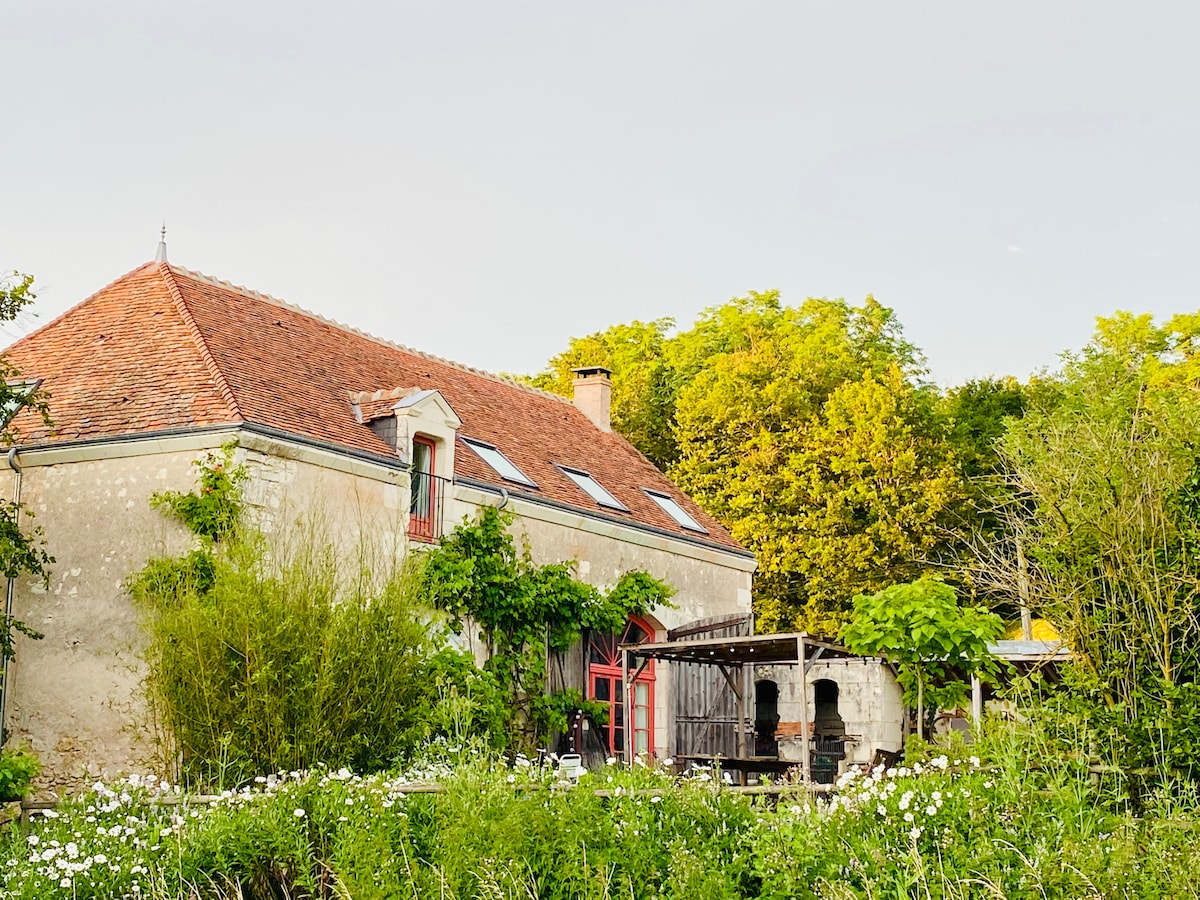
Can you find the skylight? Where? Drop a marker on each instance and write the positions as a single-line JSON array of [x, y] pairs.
[[594, 489], [20, 390], [675, 511], [498, 461]]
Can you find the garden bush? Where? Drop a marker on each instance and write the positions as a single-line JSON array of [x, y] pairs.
[[17, 769], [282, 652]]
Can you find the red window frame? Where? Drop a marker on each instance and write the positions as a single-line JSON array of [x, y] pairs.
[[422, 525], [604, 686]]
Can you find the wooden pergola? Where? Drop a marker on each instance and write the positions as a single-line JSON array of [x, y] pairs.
[[735, 658]]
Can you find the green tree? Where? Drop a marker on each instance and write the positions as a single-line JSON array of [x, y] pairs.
[[1105, 481], [807, 431], [22, 548], [809, 435], [644, 382], [979, 412], [935, 643]]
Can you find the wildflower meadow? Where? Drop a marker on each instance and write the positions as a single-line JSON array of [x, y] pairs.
[[471, 825]]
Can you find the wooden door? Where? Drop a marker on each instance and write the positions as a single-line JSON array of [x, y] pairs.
[[706, 709]]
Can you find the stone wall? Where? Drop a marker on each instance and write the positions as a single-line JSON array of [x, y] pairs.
[[868, 702], [75, 697]]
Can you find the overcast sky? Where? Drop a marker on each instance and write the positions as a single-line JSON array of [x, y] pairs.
[[484, 180]]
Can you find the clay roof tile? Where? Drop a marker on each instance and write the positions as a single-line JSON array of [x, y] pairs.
[[164, 348]]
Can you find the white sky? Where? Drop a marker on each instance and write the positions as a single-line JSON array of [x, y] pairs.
[[483, 180]]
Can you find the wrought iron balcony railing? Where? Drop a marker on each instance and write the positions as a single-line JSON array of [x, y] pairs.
[[427, 500]]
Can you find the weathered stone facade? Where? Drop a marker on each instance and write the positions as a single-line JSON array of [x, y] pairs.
[[864, 706], [76, 697]]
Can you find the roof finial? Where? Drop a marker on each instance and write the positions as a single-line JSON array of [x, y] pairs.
[[161, 255]]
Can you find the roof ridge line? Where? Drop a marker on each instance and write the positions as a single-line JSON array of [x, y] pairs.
[[71, 309], [267, 298], [189, 322]]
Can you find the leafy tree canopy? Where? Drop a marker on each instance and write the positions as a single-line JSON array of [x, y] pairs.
[[644, 382], [22, 549], [806, 430], [936, 643], [1105, 485]]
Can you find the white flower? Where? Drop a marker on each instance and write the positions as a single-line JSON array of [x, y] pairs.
[[937, 795], [656, 799], [881, 809], [908, 817], [299, 813], [611, 761], [32, 840], [930, 810], [668, 761]]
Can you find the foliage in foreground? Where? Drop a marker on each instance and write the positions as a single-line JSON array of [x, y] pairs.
[[274, 655], [18, 767], [1023, 825], [935, 643], [22, 546], [524, 611]]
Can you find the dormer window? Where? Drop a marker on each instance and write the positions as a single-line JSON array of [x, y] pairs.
[[593, 489], [675, 511], [424, 518], [500, 463]]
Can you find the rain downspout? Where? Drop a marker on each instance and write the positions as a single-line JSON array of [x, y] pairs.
[[9, 595]]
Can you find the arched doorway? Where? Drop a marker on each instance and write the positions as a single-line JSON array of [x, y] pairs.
[[827, 721], [604, 686], [766, 718]]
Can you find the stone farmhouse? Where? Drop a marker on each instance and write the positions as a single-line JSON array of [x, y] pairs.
[[164, 364]]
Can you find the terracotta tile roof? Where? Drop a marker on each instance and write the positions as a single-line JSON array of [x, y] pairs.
[[164, 348]]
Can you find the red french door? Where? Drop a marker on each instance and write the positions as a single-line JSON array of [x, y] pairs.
[[421, 520], [604, 686]]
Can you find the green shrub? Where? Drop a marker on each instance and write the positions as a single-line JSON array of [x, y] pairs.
[[284, 657], [279, 653], [18, 768]]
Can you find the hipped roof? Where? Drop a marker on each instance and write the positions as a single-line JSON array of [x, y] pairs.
[[164, 348]]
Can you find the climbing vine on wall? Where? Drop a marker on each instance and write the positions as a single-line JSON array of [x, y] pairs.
[[22, 552], [523, 610], [214, 511]]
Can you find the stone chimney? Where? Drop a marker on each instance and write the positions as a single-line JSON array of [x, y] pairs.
[[593, 395]]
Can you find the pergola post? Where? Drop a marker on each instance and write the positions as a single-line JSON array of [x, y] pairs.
[[805, 730], [625, 706], [976, 700], [747, 694]]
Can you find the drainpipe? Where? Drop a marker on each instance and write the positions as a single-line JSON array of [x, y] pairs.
[[9, 595]]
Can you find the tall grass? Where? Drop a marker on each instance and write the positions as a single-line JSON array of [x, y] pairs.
[[282, 655], [949, 828]]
